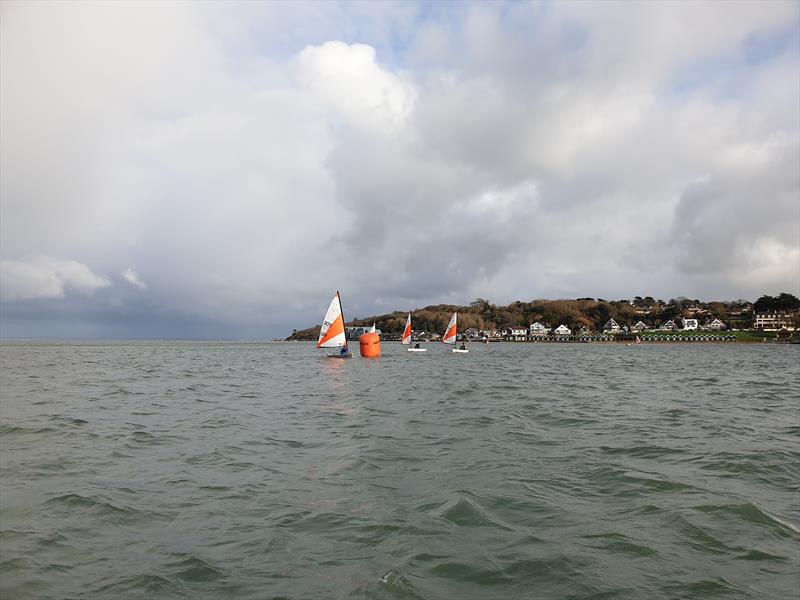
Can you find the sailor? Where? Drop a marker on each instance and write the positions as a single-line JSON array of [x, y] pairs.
[[463, 346], [416, 345]]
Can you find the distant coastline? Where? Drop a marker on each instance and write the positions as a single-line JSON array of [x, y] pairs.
[[595, 320]]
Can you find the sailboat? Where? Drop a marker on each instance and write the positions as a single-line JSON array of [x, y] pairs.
[[331, 334], [406, 339], [451, 332]]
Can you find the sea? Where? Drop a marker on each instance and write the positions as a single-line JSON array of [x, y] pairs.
[[268, 470]]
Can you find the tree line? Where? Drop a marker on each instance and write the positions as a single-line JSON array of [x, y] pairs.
[[592, 313]]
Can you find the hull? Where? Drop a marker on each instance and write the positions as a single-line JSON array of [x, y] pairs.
[[417, 350], [459, 351]]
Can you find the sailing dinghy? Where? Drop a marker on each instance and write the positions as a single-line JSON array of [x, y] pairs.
[[331, 334], [406, 339], [450, 334]]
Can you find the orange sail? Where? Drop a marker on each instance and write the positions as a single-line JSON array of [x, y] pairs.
[[331, 334], [406, 339], [450, 332]]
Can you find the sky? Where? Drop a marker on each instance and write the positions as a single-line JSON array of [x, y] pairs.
[[218, 170]]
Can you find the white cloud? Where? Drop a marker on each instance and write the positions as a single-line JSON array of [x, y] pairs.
[[45, 277], [348, 78], [132, 277], [251, 160]]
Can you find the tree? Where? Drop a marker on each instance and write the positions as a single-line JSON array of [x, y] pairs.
[[788, 301], [765, 303]]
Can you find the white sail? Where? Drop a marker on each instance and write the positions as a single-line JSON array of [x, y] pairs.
[[372, 329], [450, 332], [407, 332], [331, 335]]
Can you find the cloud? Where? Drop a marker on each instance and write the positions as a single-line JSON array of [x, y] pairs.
[[251, 161], [132, 277], [45, 277]]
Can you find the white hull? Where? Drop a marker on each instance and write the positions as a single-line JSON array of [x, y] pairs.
[[417, 350], [460, 351]]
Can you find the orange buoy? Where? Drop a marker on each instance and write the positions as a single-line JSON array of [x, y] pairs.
[[370, 345]]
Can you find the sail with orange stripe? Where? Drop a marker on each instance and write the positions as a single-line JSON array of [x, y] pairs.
[[406, 339], [331, 334], [450, 332]]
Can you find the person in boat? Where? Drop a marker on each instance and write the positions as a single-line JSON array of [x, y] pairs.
[[463, 346], [416, 345], [343, 350]]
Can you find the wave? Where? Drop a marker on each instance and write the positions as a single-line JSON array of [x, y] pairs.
[[752, 513]]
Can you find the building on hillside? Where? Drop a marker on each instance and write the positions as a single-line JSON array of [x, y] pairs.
[[640, 326], [562, 330], [515, 333], [774, 320], [690, 324], [668, 326], [611, 326], [473, 334], [538, 330], [353, 333], [715, 325]]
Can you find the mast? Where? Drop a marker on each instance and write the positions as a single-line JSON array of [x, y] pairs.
[[344, 323]]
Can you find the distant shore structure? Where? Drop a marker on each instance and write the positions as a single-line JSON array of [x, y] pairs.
[[593, 320]]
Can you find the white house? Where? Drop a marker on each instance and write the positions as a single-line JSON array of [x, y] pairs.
[[516, 333], [611, 326], [689, 324], [472, 334], [772, 321], [562, 330], [668, 326], [640, 326], [353, 333], [538, 330], [715, 325]]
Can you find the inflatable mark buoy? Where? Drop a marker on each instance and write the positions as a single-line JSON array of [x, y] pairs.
[[370, 345]]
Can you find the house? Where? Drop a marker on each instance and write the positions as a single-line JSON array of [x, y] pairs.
[[715, 325], [538, 330], [689, 324], [473, 334], [774, 320], [515, 333], [668, 326], [611, 326], [562, 330], [353, 333], [639, 327]]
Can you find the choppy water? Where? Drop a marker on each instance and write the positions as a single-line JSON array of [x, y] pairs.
[[201, 470]]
